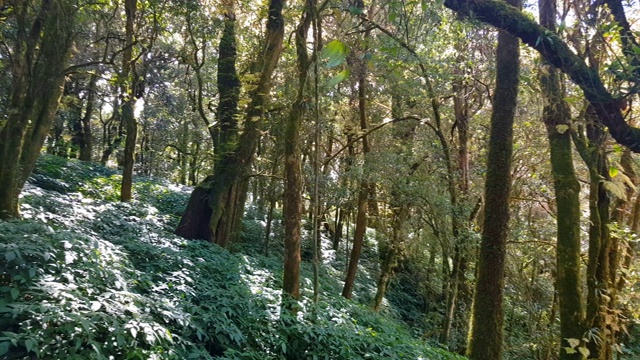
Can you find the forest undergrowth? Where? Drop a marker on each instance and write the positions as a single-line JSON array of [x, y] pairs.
[[87, 277]]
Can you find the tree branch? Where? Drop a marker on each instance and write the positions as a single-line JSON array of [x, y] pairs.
[[555, 51]]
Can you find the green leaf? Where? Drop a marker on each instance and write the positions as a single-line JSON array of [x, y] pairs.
[[95, 305], [573, 343], [14, 293], [613, 171], [335, 52], [584, 351], [562, 128], [10, 255], [340, 77], [4, 347], [28, 344]]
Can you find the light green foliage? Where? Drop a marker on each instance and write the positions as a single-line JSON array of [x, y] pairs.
[[91, 279]]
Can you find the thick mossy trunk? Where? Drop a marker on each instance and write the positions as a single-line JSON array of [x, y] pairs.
[[556, 117], [194, 224], [486, 332], [40, 54], [225, 189]]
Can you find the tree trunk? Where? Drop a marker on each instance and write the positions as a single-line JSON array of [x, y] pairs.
[[364, 186], [486, 331], [234, 164], [128, 93], [292, 210], [40, 54], [556, 117], [85, 138]]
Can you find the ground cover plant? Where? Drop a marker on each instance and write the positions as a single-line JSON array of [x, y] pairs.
[[84, 277]]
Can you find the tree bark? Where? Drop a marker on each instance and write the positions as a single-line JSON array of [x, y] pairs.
[[364, 185], [293, 184], [40, 54], [556, 117], [128, 92], [486, 332], [232, 167]]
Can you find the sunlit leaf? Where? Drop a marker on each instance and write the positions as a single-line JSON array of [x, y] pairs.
[[573, 343], [584, 351], [335, 52], [341, 76]]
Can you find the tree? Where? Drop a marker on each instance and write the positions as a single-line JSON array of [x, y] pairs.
[[557, 53], [293, 184], [226, 188], [485, 336], [39, 36], [128, 93]]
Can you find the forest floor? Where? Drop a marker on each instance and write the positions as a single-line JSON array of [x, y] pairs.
[[88, 277]]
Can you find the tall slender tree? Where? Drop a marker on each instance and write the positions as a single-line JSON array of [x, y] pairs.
[[486, 330], [293, 184], [128, 93]]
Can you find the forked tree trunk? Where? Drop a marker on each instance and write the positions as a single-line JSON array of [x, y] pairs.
[[225, 188], [486, 330]]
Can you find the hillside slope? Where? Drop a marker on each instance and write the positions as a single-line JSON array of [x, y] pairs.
[[86, 277]]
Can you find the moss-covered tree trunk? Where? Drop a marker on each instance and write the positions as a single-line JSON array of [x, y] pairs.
[[41, 35], [225, 189], [556, 117], [599, 283], [486, 330], [293, 183]]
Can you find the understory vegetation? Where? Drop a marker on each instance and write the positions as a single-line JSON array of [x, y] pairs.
[[85, 277]]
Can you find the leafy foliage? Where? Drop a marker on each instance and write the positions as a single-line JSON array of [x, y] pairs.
[[91, 279]]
